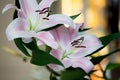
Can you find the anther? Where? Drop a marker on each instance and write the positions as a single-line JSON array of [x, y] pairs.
[[43, 11], [82, 38], [77, 43], [46, 18], [80, 46]]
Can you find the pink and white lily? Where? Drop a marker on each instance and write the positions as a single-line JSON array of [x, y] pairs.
[[32, 19], [73, 48]]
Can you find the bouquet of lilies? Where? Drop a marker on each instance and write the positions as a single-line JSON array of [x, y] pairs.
[[69, 48]]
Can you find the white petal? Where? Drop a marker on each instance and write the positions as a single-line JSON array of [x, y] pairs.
[[9, 6], [64, 36], [54, 20], [48, 39], [18, 29], [83, 63], [91, 43], [56, 67], [27, 40], [28, 6], [45, 3], [20, 34]]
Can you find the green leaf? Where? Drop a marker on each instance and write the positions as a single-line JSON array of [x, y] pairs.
[[42, 58], [52, 77], [32, 45], [106, 40], [84, 29], [75, 16], [21, 46], [74, 74], [111, 66], [18, 5], [98, 59], [47, 29]]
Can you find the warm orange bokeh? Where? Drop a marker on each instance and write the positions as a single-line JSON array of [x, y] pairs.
[[72, 7]]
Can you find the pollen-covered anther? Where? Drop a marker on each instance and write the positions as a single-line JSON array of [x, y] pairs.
[[80, 46], [43, 11], [77, 43], [46, 18]]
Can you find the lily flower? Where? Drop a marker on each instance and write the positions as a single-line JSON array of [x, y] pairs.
[[32, 19], [73, 48]]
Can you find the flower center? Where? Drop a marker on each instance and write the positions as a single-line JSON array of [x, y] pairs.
[[42, 15], [76, 44]]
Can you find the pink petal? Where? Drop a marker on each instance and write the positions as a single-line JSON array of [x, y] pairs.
[[67, 62], [64, 36], [45, 3], [57, 53], [21, 14], [54, 20], [91, 43], [17, 29], [47, 38], [39, 43], [28, 6], [55, 67], [83, 63], [9, 6]]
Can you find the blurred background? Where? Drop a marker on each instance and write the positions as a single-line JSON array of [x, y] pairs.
[[100, 15], [11, 67]]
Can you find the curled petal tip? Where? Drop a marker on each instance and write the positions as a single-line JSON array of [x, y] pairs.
[[7, 7]]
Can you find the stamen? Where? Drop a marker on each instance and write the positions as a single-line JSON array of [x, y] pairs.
[[43, 11], [80, 46], [37, 11], [46, 18], [77, 43], [82, 38]]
